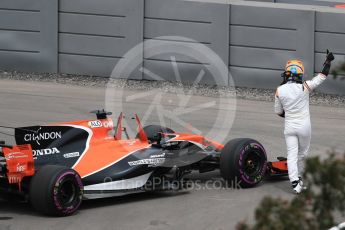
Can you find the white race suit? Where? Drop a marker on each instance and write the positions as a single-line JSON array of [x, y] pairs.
[[293, 99]]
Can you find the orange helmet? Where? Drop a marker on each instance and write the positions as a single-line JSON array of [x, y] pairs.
[[295, 67]]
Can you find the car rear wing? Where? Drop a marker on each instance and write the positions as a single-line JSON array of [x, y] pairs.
[[19, 163]]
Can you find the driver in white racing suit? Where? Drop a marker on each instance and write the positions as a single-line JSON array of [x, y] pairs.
[[292, 102]]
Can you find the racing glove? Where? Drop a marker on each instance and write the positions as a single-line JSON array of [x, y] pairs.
[[327, 64]]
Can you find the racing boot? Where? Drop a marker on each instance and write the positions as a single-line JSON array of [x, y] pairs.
[[298, 186], [304, 187]]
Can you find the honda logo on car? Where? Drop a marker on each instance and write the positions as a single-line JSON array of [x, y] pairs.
[[43, 152], [42, 136]]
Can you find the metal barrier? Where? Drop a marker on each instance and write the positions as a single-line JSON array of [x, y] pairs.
[[254, 39]]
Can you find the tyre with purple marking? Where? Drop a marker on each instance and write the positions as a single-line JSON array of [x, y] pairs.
[[56, 190], [243, 162]]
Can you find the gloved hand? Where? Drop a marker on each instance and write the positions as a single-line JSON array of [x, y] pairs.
[[330, 57], [327, 64]]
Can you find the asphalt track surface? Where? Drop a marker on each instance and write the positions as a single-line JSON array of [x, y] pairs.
[[29, 103]]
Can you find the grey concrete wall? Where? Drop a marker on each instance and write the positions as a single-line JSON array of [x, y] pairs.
[[205, 23], [28, 35], [330, 34], [253, 39], [309, 2], [94, 36], [262, 39], [330, 3]]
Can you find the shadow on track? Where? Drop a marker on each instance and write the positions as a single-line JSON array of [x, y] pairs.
[[23, 208]]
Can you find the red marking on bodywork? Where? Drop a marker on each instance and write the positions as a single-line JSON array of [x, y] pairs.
[[281, 165], [19, 162]]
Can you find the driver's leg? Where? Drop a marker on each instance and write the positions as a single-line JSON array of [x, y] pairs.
[[304, 137], [292, 156]]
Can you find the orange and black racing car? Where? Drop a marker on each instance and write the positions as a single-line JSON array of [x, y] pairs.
[[57, 166]]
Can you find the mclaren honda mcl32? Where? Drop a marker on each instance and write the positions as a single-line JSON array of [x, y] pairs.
[[56, 166]]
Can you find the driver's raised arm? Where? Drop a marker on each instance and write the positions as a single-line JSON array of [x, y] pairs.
[[321, 77]]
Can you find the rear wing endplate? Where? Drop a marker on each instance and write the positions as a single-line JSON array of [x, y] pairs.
[[19, 163]]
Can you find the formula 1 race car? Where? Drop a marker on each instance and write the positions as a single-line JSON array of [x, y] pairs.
[[56, 166]]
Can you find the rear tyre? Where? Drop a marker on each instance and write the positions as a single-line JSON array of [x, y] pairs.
[[153, 130], [56, 190], [243, 162]]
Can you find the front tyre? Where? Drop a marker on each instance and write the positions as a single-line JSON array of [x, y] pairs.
[[243, 162], [56, 190]]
